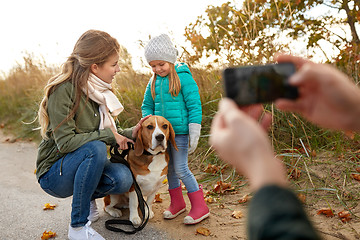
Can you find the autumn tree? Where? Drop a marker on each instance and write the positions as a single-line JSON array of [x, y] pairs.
[[253, 31]]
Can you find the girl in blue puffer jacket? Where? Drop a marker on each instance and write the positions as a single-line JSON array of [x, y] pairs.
[[174, 94]]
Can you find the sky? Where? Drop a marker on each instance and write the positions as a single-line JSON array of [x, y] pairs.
[[48, 29]]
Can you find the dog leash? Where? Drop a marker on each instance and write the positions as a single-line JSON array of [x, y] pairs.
[[116, 157]]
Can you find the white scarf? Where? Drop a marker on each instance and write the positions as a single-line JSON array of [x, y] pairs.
[[99, 92]]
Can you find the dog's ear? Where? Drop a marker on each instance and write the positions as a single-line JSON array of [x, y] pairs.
[[139, 147], [172, 137]]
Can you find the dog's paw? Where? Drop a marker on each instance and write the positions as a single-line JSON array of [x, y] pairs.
[[113, 212], [151, 215], [136, 221]]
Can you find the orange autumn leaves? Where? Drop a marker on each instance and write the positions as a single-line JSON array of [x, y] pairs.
[[48, 234], [49, 206], [344, 215], [203, 231], [293, 173], [356, 176]]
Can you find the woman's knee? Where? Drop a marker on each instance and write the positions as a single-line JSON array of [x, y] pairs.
[[96, 147], [121, 178], [96, 150]]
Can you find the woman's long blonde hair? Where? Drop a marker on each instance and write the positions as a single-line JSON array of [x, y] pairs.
[[93, 47], [174, 82]]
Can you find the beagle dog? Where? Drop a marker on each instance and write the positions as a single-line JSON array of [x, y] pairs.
[[149, 164]]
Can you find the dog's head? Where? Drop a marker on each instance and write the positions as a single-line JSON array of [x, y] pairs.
[[153, 136]]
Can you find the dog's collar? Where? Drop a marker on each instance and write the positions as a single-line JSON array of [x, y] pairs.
[[148, 153]]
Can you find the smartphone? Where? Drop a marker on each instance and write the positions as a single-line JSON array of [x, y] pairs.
[[259, 84]]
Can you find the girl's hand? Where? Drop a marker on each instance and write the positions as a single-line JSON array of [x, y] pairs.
[[138, 126]]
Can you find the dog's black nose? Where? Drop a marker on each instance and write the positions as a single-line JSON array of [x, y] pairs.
[[159, 137]]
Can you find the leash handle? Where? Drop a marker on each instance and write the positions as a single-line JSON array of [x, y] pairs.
[[116, 157], [123, 153]]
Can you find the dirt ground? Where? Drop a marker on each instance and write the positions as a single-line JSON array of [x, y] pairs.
[[222, 225]]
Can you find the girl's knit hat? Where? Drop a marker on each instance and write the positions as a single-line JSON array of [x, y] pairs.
[[160, 48]]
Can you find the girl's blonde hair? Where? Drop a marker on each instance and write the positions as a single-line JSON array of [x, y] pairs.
[[93, 47], [174, 82]]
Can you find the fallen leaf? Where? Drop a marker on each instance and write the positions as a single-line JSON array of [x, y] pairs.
[[302, 197], [209, 199], [313, 153], [49, 206], [358, 169], [326, 211], [237, 214], [244, 199], [2, 125], [294, 173], [157, 198], [208, 193], [356, 176], [203, 231], [221, 187], [344, 216], [48, 235], [213, 169]]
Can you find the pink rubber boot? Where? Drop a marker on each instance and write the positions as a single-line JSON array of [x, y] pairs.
[[199, 210], [177, 204]]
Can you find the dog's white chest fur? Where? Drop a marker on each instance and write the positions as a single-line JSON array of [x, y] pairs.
[[152, 181]]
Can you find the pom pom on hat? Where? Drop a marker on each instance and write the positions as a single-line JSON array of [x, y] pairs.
[[160, 48]]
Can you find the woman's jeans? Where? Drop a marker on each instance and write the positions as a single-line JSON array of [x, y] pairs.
[[86, 174], [178, 165]]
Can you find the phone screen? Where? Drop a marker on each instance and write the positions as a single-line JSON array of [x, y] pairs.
[[259, 84]]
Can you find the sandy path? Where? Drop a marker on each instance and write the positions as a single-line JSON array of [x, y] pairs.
[[21, 212]]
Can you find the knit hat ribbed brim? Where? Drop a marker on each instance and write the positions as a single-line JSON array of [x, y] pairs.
[[160, 48]]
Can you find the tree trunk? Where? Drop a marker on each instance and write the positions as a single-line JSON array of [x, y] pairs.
[[351, 19]]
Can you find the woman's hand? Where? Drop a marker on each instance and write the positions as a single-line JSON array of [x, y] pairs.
[[327, 97], [122, 141], [138, 126]]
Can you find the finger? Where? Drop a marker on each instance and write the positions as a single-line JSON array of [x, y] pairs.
[[226, 105], [217, 124], [288, 105], [266, 121], [130, 141], [144, 118], [297, 61], [254, 111], [217, 127]]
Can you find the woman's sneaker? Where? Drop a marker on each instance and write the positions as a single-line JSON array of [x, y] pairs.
[[85, 232]]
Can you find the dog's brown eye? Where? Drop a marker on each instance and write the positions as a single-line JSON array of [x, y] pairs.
[[150, 127], [165, 126]]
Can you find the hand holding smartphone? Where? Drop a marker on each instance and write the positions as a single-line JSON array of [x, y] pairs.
[[259, 84]]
